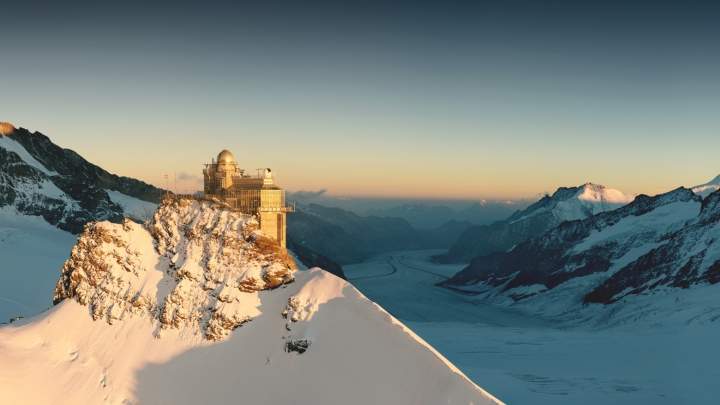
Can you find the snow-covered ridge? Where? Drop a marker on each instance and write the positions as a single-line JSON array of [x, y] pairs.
[[600, 194], [569, 204], [708, 188], [133, 207], [661, 246], [144, 314], [11, 145], [565, 204], [39, 178]]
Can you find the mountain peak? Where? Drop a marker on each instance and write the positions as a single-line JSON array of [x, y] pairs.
[[6, 128], [600, 193], [708, 188]]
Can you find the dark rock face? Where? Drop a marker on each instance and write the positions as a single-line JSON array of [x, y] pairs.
[[500, 236], [319, 235], [299, 346], [34, 192], [680, 256], [313, 259]]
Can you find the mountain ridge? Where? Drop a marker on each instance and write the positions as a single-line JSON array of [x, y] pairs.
[[197, 306], [707, 188], [659, 245], [38, 177], [566, 203]]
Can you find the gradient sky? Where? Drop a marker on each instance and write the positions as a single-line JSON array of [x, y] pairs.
[[502, 99]]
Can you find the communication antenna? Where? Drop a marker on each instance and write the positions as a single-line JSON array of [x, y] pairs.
[[167, 183]]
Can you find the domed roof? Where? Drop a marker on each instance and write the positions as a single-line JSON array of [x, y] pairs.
[[226, 157]]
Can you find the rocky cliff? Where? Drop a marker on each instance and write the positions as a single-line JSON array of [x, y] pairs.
[[40, 178]]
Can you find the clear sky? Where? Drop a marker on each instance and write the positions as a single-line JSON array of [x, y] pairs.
[[501, 99]]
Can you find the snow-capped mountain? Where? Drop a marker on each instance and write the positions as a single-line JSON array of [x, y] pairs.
[[566, 204], [40, 178], [654, 245], [197, 306], [708, 188]]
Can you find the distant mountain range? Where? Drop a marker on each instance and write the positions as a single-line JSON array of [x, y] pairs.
[[654, 244], [346, 237], [567, 203], [429, 216]]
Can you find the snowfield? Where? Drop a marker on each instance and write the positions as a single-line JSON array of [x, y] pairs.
[[133, 207], [31, 255], [658, 349], [193, 308]]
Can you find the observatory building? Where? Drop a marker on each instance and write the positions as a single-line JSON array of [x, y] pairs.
[[254, 195]]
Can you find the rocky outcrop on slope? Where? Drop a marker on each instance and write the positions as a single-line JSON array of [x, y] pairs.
[[666, 240], [195, 266], [40, 178], [566, 204]]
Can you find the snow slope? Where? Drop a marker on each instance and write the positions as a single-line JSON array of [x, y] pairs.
[[708, 188], [196, 308], [11, 145], [31, 254], [655, 357], [133, 207]]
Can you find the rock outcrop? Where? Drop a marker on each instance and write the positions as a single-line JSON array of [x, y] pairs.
[[195, 266]]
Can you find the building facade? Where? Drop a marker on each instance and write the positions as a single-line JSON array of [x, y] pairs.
[[254, 195]]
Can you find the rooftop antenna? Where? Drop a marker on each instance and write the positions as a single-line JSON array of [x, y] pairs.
[[167, 183]]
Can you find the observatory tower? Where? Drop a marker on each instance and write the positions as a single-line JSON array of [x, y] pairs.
[[254, 195]]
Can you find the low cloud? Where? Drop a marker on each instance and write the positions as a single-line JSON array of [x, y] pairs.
[[183, 176]]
